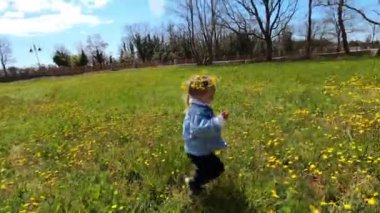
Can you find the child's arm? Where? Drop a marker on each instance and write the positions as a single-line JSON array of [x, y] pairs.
[[201, 127]]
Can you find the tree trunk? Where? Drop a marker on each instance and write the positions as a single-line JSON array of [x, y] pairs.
[[194, 49], [338, 42], [342, 27], [212, 34], [268, 35], [269, 48], [309, 30], [373, 35], [4, 69]]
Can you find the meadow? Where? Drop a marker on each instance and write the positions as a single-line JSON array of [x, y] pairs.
[[302, 136]]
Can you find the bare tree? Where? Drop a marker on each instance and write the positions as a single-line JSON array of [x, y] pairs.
[[309, 37], [5, 54], [342, 26], [133, 34], [144, 40], [331, 21], [374, 29], [201, 20], [363, 14], [319, 32], [341, 17], [96, 48], [262, 19]]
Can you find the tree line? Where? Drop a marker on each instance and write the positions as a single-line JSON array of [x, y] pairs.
[[209, 30]]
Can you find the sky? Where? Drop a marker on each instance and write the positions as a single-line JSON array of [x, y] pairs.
[[52, 23]]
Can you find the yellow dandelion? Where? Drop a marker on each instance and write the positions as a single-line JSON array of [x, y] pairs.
[[371, 201], [274, 194], [347, 206], [3, 186], [313, 209]]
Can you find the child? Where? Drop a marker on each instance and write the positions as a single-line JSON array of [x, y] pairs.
[[202, 133]]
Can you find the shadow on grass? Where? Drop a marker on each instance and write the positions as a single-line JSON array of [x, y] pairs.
[[225, 197]]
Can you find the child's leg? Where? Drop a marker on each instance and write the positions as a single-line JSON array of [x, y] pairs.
[[201, 175], [209, 167], [216, 167]]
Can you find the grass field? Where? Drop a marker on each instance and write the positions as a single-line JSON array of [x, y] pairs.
[[303, 137]]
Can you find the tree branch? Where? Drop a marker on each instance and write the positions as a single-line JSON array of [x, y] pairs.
[[362, 14]]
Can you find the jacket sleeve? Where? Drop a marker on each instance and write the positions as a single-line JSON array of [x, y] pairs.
[[202, 127]]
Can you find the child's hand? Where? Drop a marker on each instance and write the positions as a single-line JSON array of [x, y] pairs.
[[225, 115]]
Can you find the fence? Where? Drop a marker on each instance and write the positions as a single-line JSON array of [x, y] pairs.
[[25, 74]]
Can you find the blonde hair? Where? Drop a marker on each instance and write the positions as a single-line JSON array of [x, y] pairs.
[[199, 86]]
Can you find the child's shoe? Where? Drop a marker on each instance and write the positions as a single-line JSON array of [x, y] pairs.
[[194, 189]]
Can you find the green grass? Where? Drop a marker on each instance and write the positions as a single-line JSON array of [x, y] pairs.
[[300, 134]]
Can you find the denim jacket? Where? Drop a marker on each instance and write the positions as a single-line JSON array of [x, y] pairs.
[[202, 130]]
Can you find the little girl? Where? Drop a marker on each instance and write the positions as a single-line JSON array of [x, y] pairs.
[[202, 133]]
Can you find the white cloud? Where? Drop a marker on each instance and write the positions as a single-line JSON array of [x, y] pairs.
[[29, 6], [13, 15], [3, 5], [28, 17], [45, 24], [157, 7], [95, 3]]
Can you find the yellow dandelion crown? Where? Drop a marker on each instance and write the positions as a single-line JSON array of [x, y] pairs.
[[200, 83]]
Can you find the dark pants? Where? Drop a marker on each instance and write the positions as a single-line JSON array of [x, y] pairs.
[[209, 167]]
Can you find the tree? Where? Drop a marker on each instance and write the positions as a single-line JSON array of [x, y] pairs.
[[362, 13], [139, 38], [201, 21], [371, 38], [342, 26], [62, 57], [262, 19], [309, 37], [96, 47], [111, 60], [179, 41], [126, 50], [286, 39], [334, 29], [80, 60], [83, 60], [74, 60], [342, 21], [123, 52], [5, 54], [339, 6]]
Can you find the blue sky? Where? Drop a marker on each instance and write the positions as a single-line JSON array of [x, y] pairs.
[[48, 23], [70, 22]]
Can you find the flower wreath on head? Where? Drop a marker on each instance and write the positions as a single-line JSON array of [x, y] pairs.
[[201, 83]]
